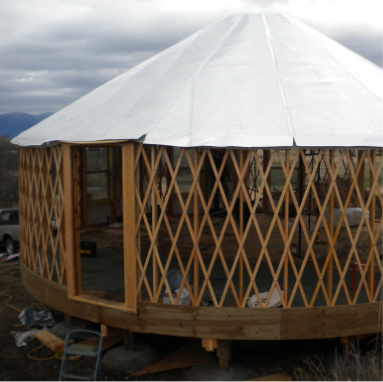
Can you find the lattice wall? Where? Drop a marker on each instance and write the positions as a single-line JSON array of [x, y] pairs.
[[326, 179], [42, 245]]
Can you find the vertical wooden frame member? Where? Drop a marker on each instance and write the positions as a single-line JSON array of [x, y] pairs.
[[196, 227], [69, 221], [331, 243], [241, 227], [129, 219], [21, 154], [154, 169], [361, 175], [371, 244], [286, 216], [45, 203], [82, 185]]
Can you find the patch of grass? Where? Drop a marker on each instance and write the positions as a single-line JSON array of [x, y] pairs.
[[357, 366]]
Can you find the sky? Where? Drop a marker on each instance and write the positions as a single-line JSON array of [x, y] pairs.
[[52, 52]]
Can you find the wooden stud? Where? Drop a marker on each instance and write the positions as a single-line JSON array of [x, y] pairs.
[[196, 227], [361, 176], [224, 354], [371, 238], [331, 229], [129, 208], [286, 213], [241, 223], [209, 344], [130, 340], [153, 200], [69, 221]]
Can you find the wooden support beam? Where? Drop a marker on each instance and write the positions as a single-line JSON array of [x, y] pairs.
[[196, 227], [286, 213], [241, 227], [361, 178], [224, 354], [209, 344], [129, 208], [153, 200], [372, 206], [330, 215], [69, 221], [130, 340], [78, 203]]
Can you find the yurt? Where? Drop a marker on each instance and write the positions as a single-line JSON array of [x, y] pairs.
[[230, 187]]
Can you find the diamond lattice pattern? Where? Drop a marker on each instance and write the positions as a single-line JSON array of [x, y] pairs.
[[236, 223], [42, 247]]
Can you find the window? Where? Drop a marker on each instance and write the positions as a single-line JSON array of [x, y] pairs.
[[97, 173], [9, 218]]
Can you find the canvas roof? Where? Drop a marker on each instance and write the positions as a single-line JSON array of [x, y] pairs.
[[250, 80]]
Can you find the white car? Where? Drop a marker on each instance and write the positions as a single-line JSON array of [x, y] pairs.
[[9, 229]]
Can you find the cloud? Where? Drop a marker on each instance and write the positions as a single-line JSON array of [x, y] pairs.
[[55, 52]]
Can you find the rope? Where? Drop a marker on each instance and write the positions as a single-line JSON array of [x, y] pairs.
[[40, 359], [58, 355], [6, 302]]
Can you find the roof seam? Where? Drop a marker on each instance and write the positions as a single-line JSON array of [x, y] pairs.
[[276, 68]]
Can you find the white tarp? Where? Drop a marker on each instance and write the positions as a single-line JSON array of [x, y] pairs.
[[246, 81], [353, 215], [274, 302]]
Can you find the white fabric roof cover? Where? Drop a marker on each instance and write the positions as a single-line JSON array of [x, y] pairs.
[[250, 80]]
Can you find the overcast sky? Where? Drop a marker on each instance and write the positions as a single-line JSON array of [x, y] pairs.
[[54, 51]]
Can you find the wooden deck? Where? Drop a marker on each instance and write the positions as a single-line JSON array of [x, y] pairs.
[[216, 323]]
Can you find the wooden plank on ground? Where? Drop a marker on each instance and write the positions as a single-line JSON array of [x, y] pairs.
[[50, 340], [192, 354], [107, 343], [273, 377]]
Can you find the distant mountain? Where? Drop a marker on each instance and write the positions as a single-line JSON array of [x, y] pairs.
[[13, 124]]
